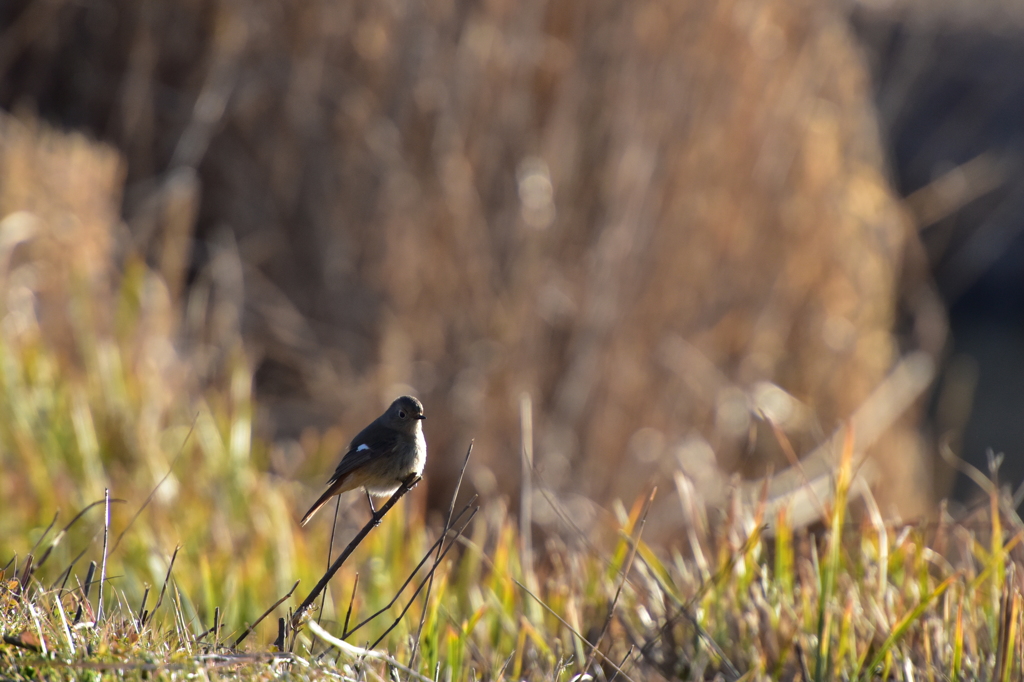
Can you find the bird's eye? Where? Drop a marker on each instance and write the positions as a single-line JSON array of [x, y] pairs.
[[401, 414]]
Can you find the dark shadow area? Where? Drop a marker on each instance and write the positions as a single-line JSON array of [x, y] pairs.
[[951, 107]]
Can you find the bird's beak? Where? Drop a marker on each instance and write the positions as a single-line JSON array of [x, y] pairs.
[[422, 416]]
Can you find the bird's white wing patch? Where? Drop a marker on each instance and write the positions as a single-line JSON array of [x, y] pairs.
[[362, 447]]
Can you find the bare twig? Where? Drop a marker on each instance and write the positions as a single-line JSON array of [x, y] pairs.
[[64, 531], [26, 574], [142, 607], [266, 613], [428, 578], [622, 662], [66, 573], [167, 579], [31, 567], [359, 652], [571, 629], [103, 566], [447, 524], [149, 498], [426, 556], [279, 642], [423, 582], [351, 601], [538, 483], [330, 553], [629, 566], [85, 590], [214, 629], [330, 550], [45, 533], [686, 608], [406, 486]]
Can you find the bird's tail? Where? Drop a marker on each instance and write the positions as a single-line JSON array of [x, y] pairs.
[[321, 501], [336, 486], [315, 508]]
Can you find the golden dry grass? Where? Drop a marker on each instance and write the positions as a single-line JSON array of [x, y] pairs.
[[643, 215]]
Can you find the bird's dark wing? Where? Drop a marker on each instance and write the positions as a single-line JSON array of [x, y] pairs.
[[361, 453], [364, 450]]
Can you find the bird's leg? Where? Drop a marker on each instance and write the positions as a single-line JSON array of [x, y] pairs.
[[373, 509]]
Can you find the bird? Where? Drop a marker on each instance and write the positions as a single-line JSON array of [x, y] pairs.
[[382, 456]]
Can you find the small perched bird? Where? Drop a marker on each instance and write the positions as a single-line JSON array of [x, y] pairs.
[[381, 456]]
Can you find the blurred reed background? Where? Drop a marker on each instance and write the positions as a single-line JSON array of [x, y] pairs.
[[950, 98], [671, 232]]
